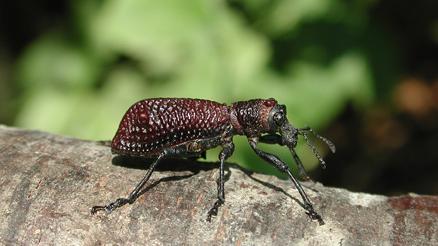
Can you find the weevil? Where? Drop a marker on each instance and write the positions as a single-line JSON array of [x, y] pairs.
[[161, 128]]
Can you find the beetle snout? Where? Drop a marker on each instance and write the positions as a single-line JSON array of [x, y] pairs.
[[289, 135]]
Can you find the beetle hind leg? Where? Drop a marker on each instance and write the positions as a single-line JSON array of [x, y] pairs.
[[134, 194]]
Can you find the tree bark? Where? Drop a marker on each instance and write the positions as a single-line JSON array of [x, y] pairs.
[[49, 183]]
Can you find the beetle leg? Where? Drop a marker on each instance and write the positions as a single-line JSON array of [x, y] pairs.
[[227, 151], [301, 169], [135, 193], [276, 139], [182, 150], [280, 165]]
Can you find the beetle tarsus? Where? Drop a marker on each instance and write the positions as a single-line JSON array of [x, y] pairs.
[[313, 214], [113, 205], [95, 209], [214, 210]]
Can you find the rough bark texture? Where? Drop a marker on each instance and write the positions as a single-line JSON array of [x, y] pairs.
[[49, 183]]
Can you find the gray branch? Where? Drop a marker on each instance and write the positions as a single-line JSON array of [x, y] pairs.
[[49, 183]]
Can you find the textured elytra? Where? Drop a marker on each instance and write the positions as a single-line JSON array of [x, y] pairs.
[[153, 124]]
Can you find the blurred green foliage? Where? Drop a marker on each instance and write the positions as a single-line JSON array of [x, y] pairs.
[[312, 55]]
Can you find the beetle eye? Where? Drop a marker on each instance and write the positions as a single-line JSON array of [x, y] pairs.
[[279, 118]]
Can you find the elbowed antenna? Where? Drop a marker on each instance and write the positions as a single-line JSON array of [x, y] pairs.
[[304, 131], [289, 136]]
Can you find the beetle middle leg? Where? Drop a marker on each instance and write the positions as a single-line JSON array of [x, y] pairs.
[[227, 151], [279, 164]]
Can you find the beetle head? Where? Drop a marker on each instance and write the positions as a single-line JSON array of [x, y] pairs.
[[278, 123], [289, 134]]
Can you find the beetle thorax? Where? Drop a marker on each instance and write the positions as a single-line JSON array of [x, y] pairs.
[[251, 118]]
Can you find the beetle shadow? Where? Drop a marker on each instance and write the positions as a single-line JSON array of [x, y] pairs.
[[194, 167], [167, 164], [250, 173], [171, 164]]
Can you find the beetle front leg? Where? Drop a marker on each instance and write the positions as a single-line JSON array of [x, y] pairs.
[[276, 139], [227, 151], [280, 165]]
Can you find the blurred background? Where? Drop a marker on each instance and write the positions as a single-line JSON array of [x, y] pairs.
[[364, 73]]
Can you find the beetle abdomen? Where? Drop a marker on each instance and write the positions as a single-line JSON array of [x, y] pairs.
[[153, 124]]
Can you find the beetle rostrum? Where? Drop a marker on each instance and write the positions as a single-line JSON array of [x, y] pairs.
[[162, 128]]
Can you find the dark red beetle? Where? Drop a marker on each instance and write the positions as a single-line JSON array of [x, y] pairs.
[[179, 127]]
